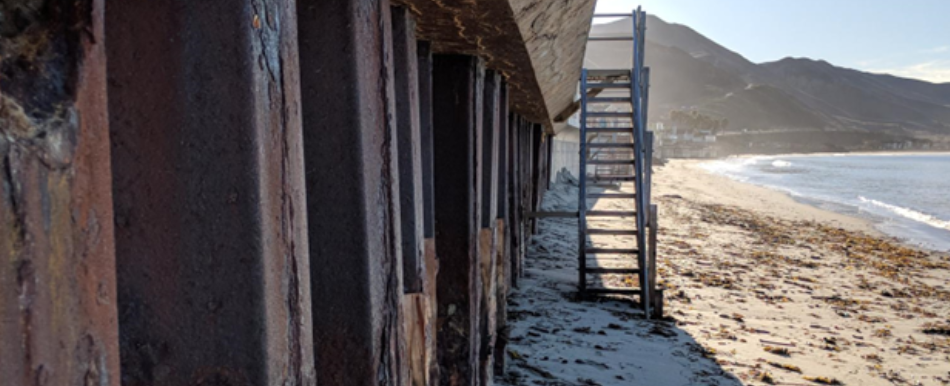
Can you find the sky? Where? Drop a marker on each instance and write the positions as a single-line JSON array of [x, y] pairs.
[[908, 38]]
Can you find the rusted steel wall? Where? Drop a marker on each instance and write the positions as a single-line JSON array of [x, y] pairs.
[[352, 191], [58, 321], [210, 208], [456, 95]]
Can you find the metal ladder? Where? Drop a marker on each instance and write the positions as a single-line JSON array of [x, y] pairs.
[[613, 114]]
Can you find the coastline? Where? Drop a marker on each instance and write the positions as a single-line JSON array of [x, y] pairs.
[[781, 292], [687, 179], [758, 289]]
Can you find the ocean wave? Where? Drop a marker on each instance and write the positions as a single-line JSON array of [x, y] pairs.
[[909, 213], [731, 165], [781, 164]]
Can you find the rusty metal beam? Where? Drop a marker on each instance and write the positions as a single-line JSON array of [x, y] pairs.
[[409, 144], [424, 63], [457, 92], [537, 171], [352, 182], [424, 52], [212, 255], [515, 211], [489, 222], [58, 322], [503, 243]]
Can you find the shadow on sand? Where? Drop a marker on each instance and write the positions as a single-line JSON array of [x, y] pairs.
[[556, 338]]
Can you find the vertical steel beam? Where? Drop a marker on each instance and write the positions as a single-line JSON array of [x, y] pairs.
[[424, 53], [352, 190], [409, 143], [457, 92], [537, 172], [548, 155], [58, 322], [211, 237], [514, 200], [489, 222], [503, 232], [489, 149]]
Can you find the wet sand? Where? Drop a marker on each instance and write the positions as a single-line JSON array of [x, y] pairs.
[[760, 289]]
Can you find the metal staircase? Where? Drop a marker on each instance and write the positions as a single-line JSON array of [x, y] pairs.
[[615, 165]]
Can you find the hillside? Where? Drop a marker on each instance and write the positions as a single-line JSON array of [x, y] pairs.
[[690, 71]]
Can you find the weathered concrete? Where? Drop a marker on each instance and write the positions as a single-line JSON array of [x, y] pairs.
[[352, 189], [57, 285], [212, 260], [457, 108], [409, 144], [537, 44], [555, 34]]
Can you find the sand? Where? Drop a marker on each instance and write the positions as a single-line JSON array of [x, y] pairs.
[[686, 178], [761, 289]]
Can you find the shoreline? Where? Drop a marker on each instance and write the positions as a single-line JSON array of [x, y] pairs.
[[829, 153], [758, 289], [687, 179]]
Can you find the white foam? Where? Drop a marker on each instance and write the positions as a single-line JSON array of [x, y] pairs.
[[781, 164], [909, 213]]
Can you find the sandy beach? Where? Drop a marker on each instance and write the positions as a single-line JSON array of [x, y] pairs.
[[760, 289]]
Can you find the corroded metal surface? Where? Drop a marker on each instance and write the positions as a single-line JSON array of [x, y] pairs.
[[457, 92], [537, 44], [352, 189], [409, 146], [210, 212], [57, 285]]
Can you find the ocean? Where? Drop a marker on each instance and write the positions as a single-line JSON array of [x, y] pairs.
[[904, 195]]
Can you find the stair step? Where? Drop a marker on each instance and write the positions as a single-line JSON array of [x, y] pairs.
[[553, 214], [615, 271], [612, 195], [621, 130], [608, 145], [611, 213], [613, 179], [618, 291], [608, 100], [608, 73], [611, 162], [612, 250], [608, 85], [609, 114], [609, 38], [612, 232]]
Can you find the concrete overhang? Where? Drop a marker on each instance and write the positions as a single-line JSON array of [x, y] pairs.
[[537, 44]]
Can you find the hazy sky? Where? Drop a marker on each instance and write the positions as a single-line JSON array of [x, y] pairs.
[[909, 38]]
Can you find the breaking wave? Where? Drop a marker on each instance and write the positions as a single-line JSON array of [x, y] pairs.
[[909, 213]]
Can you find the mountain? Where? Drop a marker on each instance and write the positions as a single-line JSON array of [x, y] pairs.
[[690, 71]]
